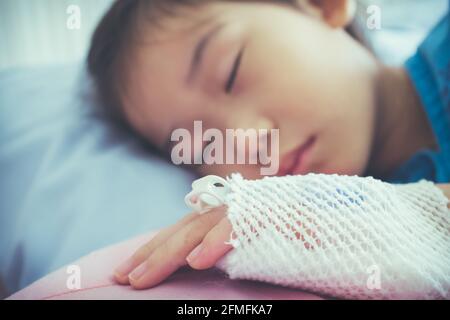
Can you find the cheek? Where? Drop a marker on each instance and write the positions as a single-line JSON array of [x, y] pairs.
[[345, 148]]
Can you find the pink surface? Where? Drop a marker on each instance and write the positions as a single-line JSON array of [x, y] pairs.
[[96, 282]]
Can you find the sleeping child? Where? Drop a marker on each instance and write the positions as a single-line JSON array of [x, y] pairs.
[[359, 205]]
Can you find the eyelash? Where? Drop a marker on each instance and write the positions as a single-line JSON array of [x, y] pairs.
[[233, 74]]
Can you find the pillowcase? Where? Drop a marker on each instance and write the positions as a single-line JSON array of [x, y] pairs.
[[71, 181], [403, 26]]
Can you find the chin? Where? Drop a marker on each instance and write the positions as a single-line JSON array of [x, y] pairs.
[[344, 169]]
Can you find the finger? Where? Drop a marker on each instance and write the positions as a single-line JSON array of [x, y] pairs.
[[171, 255], [122, 272], [213, 246]]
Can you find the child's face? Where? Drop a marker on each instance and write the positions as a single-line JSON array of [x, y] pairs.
[[295, 74]]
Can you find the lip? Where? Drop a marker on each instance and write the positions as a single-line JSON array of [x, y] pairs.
[[294, 162]]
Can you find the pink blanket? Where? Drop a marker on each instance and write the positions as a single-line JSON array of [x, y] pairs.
[[97, 283]]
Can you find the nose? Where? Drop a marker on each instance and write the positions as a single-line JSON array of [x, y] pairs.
[[260, 123]]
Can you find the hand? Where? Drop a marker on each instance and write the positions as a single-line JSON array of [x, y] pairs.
[[197, 240]]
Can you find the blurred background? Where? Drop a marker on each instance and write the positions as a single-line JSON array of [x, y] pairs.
[[35, 32]]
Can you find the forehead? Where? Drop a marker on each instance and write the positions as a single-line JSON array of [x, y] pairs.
[[155, 90]]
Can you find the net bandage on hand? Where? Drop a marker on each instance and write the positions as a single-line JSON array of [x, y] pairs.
[[343, 236]]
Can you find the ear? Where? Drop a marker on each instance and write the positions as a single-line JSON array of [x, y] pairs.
[[336, 13]]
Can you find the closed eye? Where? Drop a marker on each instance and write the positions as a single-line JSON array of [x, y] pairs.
[[234, 71]]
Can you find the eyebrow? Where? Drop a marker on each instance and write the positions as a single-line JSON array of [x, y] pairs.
[[199, 50]]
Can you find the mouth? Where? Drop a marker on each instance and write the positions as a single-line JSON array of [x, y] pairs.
[[294, 162]]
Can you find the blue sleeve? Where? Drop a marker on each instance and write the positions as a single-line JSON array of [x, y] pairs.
[[429, 70]]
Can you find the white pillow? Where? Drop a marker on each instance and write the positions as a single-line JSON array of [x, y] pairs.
[[70, 181], [404, 25]]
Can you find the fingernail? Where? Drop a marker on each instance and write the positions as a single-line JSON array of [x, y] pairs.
[[194, 253], [139, 271], [125, 268]]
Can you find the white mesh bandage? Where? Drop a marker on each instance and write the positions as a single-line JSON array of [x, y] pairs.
[[343, 236]]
